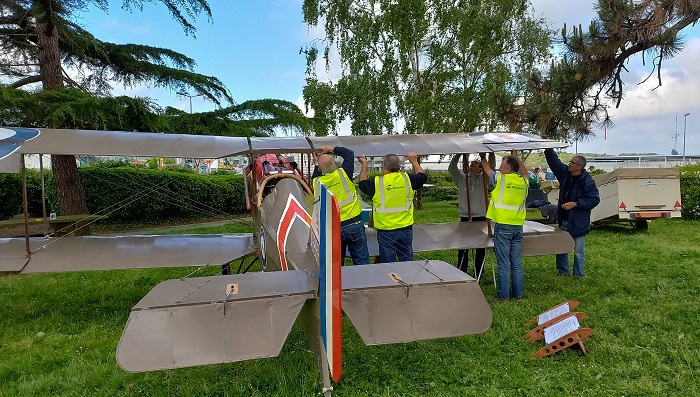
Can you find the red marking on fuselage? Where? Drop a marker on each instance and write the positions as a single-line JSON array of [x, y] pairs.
[[293, 210]]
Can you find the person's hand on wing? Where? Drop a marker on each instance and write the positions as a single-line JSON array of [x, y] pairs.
[[327, 149]]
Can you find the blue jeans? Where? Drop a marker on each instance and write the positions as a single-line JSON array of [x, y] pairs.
[[353, 237], [507, 244], [395, 243], [563, 259]]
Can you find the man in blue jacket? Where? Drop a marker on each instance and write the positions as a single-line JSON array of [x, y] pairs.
[[578, 195]]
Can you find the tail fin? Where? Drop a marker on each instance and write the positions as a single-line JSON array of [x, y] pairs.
[[326, 231]]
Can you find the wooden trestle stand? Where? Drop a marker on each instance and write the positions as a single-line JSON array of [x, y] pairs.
[[560, 328]]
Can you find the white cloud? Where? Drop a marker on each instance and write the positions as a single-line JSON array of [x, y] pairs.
[[559, 12], [645, 122], [646, 118]]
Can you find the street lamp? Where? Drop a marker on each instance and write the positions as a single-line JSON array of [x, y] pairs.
[[685, 119], [187, 94]]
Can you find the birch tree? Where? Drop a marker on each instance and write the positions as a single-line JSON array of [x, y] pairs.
[[419, 66]]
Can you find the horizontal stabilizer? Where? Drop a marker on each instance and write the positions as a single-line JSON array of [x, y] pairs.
[[65, 254], [409, 301], [538, 239], [213, 320]]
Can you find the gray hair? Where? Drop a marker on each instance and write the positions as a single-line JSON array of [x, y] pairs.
[[326, 164], [580, 160], [392, 162]]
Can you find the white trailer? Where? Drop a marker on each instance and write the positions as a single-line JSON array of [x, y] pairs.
[[636, 195]]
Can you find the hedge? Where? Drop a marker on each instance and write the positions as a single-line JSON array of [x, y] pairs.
[[11, 194], [131, 193], [690, 191], [167, 194], [148, 194]]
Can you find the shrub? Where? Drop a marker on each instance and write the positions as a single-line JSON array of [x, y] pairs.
[[112, 163], [221, 171], [129, 193], [10, 195], [132, 193], [690, 191], [441, 193]]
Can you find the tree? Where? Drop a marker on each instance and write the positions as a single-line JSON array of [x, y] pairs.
[[419, 66], [40, 40], [258, 117], [73, 108], [565, 101]]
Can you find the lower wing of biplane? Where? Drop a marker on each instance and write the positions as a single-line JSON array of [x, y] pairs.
[[222, 319], [538, 239], [62, 254]]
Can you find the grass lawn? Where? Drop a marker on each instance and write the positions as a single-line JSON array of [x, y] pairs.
[[59, 332]]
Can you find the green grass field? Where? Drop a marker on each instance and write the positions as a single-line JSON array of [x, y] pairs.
[[59, 332]]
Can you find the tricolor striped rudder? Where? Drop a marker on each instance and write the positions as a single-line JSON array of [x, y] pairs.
[[330, 259]]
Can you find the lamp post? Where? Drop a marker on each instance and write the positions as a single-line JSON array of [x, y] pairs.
[[685, 119], [187, 94]]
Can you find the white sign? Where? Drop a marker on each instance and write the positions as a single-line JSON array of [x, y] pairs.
[[556, 312], [560, 329]]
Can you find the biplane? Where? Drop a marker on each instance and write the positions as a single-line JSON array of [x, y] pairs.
[[220, 319]]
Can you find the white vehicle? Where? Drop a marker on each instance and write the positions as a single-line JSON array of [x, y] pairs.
[[636, 195]]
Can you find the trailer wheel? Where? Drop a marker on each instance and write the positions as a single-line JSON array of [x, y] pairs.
[[641, 225]]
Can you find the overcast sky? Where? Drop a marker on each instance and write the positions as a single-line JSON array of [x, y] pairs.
[[253, 47]]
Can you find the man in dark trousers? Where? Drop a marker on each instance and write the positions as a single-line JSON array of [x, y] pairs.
[[392, 205], [473, 181], [578, 195], [339, 182]]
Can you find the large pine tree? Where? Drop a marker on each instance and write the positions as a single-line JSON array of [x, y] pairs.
[[39, 40], [566, 100]]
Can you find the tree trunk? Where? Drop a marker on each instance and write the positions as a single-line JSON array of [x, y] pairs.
[[49, 57], [71, 197], [418, 199]]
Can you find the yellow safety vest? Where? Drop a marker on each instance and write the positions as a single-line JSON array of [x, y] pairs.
[[344, 191], [507, 204], [393, 201]]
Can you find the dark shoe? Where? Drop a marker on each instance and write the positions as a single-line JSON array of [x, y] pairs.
[[497, 299], [579, 277], [563, 274]]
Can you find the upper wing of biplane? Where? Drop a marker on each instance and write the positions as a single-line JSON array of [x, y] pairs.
[[17, 141]]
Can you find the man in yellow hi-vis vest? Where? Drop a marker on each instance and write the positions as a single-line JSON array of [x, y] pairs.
[[392, 200], [507, 210], [339, 182]]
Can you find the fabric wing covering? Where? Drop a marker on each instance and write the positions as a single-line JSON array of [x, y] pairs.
[[191, 322], [16, 141], [122, 252]]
